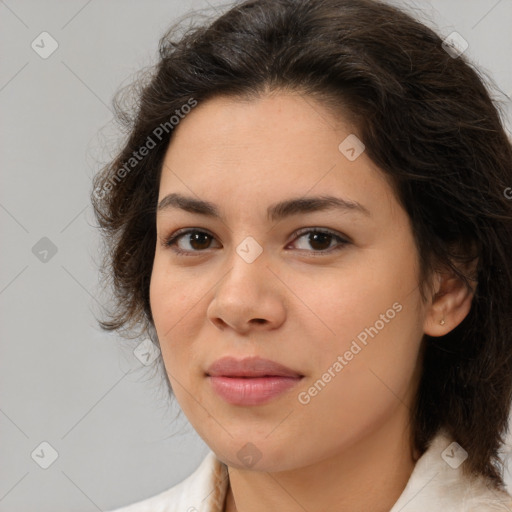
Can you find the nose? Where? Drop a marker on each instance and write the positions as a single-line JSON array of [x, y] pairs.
[[249, 297]]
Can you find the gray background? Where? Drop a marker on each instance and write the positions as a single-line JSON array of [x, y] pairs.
[[62, 380]]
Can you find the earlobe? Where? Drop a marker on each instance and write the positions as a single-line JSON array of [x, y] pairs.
[[451, 303]]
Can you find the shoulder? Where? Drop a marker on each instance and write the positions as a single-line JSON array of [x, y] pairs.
[[202, 491], [438, 483]]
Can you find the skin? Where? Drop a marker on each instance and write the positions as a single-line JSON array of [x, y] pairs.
[[349, 447]]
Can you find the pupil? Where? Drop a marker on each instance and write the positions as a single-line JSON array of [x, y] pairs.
[[321, 238], [196, 240]]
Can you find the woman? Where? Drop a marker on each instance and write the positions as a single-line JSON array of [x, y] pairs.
[[310, 218]]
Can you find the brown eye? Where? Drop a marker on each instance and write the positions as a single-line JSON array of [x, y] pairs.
[[190, 241], [319, 241], [199, 240]]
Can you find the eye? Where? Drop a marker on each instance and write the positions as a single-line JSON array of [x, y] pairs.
[[320, 240], [189, 241]]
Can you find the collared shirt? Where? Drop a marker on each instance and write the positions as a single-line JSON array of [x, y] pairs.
[[436, 484]]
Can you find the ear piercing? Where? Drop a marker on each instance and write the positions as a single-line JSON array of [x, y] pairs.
[[442, 321]]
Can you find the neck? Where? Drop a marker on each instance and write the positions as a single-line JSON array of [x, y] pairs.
[[369, 475]]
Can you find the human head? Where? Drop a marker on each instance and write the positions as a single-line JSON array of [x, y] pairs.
[[427, 123]]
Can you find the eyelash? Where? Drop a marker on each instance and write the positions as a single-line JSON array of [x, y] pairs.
[[171, 241]]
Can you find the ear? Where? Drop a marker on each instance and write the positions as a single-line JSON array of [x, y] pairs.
[[450, 303]]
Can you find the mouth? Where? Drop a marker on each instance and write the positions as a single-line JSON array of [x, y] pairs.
[[249, 367], [250, 381]]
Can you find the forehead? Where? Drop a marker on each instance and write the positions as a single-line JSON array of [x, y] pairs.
[[276, 121], [261, 150]]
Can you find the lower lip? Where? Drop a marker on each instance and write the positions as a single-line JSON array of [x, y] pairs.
[[251, 391]]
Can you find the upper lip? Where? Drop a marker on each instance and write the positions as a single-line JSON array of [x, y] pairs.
[[249, 367]]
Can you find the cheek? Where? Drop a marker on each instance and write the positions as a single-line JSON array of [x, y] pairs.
[[347, 300], [171, 294], [372, 308], [367, 372], [169, 304], [179, 310]]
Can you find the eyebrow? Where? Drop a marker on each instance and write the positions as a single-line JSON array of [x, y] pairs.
[[275, 212]]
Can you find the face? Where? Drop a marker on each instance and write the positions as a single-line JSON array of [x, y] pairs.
[[326, 289]]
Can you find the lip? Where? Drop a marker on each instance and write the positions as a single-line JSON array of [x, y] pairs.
[[249, 367], [250, 381]]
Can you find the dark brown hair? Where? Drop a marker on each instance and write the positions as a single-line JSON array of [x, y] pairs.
[[427, 121]]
